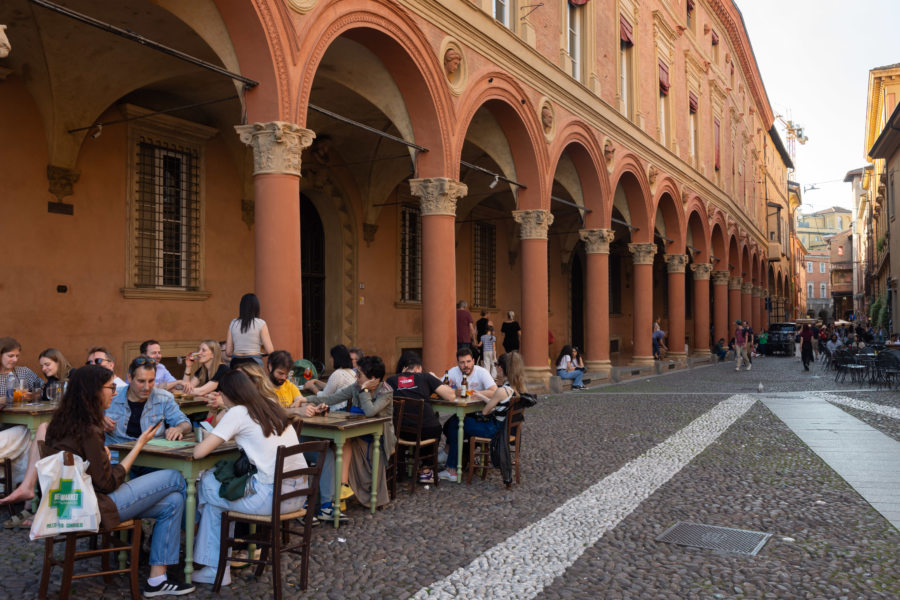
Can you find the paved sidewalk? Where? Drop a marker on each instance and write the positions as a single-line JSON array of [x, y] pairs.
[[860, 454]]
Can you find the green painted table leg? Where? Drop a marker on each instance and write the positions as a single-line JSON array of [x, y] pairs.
[[338, 469], [190, 517], [459, 445], [376, 452]]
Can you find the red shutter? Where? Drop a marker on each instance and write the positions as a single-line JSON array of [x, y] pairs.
[[663, 78], [626, 34], [718, 149], [715, 38], [693, 102]]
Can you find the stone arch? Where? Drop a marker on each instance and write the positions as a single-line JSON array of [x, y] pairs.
[[577, 140], [734, 255], [631, 176], [503, 97], [697, 230], [668, 208], [746, 272], [718, 242], [405, 52]]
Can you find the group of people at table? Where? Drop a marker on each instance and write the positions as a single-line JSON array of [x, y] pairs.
[[254, 406]]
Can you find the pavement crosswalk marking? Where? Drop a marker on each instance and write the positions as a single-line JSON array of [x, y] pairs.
[[529, 560]]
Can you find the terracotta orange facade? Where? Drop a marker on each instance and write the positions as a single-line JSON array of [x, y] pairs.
[[590, 168]]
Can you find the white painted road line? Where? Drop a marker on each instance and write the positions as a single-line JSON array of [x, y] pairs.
[[880, 409], [525, 563]]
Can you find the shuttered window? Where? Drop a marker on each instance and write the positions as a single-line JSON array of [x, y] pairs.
[[410, 254]]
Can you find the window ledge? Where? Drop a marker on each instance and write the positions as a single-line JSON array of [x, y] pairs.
[[408, 305], [164, 294]]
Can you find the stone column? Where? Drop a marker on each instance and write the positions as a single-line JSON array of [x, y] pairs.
[[747, 303], [720, 305], [734, 301], [533, 226], [596, 334], [757, 308], [642, 323], [437, 198], [675, 264], [277, 147], [701, 308], [765, 313]]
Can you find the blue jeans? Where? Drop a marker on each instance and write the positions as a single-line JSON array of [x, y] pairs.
[[257, 501], [158, 495], [576, 375], [470, 427]]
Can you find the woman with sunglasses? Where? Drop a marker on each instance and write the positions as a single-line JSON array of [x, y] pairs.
[[77, 427]]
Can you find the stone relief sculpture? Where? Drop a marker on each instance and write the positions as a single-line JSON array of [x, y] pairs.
[[547, 118], [452, 58], [5, 46]]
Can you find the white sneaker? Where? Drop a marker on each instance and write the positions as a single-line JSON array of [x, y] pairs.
[[737, 368], [749, 367], [208, 575], [446, 474]]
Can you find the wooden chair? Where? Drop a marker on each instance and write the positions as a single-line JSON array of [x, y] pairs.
[[411, 454], [110, 545], [8, 485], [274, 531], [480, 447]]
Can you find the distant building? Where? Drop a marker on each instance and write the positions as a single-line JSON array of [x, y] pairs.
[[818, 283], [841, 246], [812, 229]]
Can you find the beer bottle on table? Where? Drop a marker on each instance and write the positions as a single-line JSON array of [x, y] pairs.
[[464, 387]]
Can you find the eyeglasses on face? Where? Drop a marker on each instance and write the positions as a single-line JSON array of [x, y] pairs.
[[112, 387], [97, 361]]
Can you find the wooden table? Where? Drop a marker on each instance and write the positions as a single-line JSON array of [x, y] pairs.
[[460, 408], [339, 427], [29, 415], [182, 460]]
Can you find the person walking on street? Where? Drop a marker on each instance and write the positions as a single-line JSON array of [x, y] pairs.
[[740, 346], [806, 348]]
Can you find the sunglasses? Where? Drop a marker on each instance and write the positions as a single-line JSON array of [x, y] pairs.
[[97, 361], [145, 361]]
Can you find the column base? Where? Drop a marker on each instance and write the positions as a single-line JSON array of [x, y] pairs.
[[538, 379], [642, 361], [600, 368]]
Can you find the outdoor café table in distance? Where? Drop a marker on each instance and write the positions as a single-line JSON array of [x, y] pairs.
[[29, 415], [459, 407], [160, 453], [340, 426]]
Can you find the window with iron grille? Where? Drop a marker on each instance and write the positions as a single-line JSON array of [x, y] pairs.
[[410, 254], [484, 259], [167, 216]]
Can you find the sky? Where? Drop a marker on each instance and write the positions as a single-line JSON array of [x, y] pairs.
[[815, 57]]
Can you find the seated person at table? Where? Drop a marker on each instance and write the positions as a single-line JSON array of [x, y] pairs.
[[477, 378], [258, 426], [55, 368], [99, 355], [412, 382], [77, 427], [140, 405], [371, 396], [512, 368], [342, 376], [164, 379], [205, 378], [355, 355], [279, 365]]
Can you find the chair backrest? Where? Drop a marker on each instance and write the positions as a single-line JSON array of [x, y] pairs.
[[412, 419], [515, 416], [312, 475]]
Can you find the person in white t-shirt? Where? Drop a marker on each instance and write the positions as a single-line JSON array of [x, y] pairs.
[[477, 378], [258, 426]]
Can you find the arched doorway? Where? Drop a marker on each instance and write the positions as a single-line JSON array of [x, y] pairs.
[[312, 265]]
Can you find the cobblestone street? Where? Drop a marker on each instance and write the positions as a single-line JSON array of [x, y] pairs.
[[604, 472]]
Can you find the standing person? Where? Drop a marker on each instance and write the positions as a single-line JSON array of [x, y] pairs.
[[55, 368], [763, 342], [740, 346], [511, 331], [77, 426], [481, 326], [465, 326], [247, 333], [566, 367], [164, 379], [806, 348], [211, 368], [659, 343], [487, 343], [258, 426]]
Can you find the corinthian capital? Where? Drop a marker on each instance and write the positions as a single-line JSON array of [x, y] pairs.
[[533, 224], [596, 241], [735, 283], [720, 277], [747, 288], [642, 254], [277, 146], [701, 271], [676, 262], [438, 195]]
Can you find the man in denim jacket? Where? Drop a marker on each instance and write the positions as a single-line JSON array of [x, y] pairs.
[[141, 405]]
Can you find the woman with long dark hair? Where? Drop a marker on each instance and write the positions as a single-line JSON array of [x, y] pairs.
[[77, 427], [567, 367], [247, 333], [258, 426], [342, 376], [806, 349]]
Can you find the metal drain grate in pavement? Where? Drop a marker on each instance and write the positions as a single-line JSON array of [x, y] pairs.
[[725, 539]]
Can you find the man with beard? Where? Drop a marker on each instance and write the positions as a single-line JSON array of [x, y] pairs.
[[280, 363]]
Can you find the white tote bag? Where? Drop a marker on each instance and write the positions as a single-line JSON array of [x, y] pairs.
[[68, 501]]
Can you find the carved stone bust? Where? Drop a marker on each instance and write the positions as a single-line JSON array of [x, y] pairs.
[[452, 58], [547, 118], [5, 46]]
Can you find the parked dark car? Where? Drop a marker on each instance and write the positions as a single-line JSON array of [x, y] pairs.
[[781, 339]]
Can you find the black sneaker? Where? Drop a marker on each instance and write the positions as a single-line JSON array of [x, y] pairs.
[[168, 588]]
